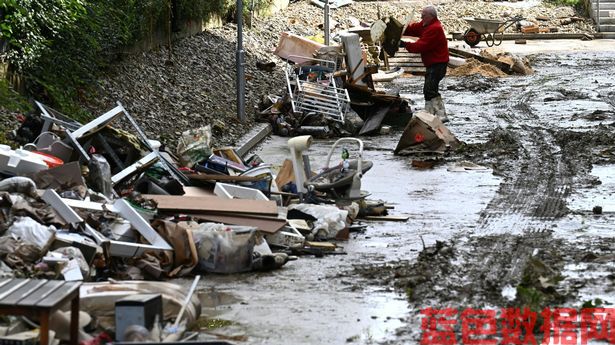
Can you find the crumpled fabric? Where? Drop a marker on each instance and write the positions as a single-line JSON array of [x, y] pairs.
[[65, 177]]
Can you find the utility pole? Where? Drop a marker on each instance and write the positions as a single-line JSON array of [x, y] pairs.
[[240, 63], [326, 24]]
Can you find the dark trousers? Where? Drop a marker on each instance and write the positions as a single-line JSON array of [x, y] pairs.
[[435, 73]]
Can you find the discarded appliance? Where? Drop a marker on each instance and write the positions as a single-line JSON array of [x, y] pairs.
[[425, 133], [20, 162], [297, 145], [343, 181], [142, 310]]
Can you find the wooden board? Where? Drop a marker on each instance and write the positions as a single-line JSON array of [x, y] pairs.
[[195, 204], [501, 65], [321, 245], [214, 178], [389, 218]]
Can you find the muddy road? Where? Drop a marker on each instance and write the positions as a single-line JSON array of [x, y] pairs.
[[526, 231]]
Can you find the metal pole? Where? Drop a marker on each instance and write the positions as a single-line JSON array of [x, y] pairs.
[[598, 14], [327, 29], [240, 63]]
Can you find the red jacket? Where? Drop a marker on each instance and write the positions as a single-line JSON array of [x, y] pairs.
[[432, 43]]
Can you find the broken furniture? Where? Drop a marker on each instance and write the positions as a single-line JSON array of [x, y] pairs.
[[262, 214], [77, 133], [121, 207], [312, 89], [32, 297]]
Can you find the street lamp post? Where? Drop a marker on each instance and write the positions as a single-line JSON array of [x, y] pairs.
[[240, 63]]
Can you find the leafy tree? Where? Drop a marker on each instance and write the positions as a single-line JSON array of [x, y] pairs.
[[29, 27]]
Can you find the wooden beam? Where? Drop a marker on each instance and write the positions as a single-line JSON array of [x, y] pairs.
[[499, 64]]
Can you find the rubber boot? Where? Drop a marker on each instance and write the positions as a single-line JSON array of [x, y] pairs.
[[440, 111], [429, 106]]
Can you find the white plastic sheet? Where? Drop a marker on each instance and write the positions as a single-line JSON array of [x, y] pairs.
[[31, 232]]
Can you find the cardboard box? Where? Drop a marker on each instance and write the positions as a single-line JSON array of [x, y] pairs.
[[426, 133]]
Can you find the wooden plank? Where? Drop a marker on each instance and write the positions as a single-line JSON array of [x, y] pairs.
[[263, 224], [321, 245], [43, 292], [389, 218], [374, 121], [30, 287], [195, 204], [501, 65], [10, 287], [60, 295], [214, 178]]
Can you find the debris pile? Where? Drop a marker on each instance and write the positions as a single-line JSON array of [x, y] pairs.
[[96, 204]]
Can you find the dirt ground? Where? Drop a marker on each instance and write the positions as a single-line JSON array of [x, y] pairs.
[[524, 232], [539, 242]]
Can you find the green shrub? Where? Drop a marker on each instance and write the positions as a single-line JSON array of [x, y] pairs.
[[60, 47]]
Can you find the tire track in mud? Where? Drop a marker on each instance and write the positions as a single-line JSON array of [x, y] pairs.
[[513, 231]]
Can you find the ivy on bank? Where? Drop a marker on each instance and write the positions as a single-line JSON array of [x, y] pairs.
[[60, 47]]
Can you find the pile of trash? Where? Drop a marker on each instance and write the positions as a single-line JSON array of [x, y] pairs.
[[330, 88], [95, 204]]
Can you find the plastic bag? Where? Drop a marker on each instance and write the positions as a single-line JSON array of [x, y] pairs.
[[330, 219], [224, 249], [193, 146], [100, 175], [30, 231]]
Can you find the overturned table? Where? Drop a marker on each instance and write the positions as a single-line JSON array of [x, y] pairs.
[[34, 297]]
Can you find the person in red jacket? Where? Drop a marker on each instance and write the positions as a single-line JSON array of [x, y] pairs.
[[433, 47]]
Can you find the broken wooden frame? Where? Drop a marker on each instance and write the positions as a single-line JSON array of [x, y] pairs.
[[124, 210], [75, 131]]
